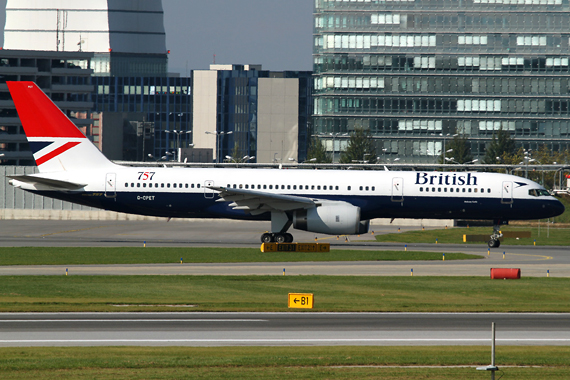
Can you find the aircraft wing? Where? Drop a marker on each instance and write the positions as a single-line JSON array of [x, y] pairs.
[[257, 202], [55, 183]]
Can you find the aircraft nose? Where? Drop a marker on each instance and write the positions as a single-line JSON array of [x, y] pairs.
[[559, 208], [554, 208]]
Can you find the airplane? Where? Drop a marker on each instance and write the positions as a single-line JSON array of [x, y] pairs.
[[335, 202]]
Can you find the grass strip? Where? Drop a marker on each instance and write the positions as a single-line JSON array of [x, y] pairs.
[[279, 362], [269, 293], [162, 255], [550, 236]]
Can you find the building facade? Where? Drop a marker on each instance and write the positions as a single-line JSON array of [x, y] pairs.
[[243, 112], [417, 72], [162, 104]]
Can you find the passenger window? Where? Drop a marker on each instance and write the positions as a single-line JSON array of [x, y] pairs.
[[421, 189], [144, 184], [475, 190], [162, 185], [288, 187], [318, 187], [180, 185], [373, 188], [366, 188], [433, 189], [264, 187], [312, 187], [445, 189], [240, 186], [325, 187], [246, 187], [451, 190], [192, 185], [126, 185], [138, 185], [469, 190], [294, 187], [439, 189], [282, 187], [259, 187], [174, 185], [360, 188], [349, 188], [186, 186], [336, 188], [168, 185], [132, 185], [198, 185], [306, 187], [235, 187], [463, 190], [489, 191]]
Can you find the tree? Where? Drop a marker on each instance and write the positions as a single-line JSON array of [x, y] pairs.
[[501, 145], [317, 152], [460, 151], [360, 149], [236, 154]]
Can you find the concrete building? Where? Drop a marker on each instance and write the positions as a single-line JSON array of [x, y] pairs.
[[416, 72], [127, 37], [244, 111], [62, 76]]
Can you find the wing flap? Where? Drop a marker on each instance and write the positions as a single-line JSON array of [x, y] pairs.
[[257, 202]]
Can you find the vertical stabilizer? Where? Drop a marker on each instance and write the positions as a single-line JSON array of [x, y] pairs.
[[57, 144]]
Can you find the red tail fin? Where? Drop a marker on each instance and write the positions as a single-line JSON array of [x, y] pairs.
[[39, 116], [57, 144]]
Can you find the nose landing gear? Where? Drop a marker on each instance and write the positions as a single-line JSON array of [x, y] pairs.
[[494, 242]]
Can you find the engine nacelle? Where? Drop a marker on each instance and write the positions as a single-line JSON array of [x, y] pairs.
[[334, 218]]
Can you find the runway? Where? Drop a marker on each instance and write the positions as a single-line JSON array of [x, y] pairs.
[[281, 329]]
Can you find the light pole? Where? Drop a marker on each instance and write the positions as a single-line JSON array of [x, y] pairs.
[[178, 134], [218, 139]]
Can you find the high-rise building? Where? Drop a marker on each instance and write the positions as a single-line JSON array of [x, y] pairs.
[[126, 37], [417, 72], [245, 111]]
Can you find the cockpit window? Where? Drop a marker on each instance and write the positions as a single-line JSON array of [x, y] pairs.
[[538, 193]]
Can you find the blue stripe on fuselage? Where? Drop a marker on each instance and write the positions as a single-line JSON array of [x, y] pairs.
[[196, 205]]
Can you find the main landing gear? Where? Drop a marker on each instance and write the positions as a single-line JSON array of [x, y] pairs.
[[277, 238], [495, 242], [280, 223]]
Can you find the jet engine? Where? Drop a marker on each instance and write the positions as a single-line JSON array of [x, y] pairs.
[[334, 218]]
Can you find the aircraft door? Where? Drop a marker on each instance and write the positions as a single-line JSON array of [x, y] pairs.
[[507, 193], [397, 189], [208, 193], [111, 185]]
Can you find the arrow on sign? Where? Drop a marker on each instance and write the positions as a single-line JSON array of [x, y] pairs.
[[295, 300]]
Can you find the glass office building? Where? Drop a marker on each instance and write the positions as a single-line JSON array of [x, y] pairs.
[[164, 101], [416, 72]]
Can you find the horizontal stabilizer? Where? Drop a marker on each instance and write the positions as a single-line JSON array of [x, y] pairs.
[[55, 183]]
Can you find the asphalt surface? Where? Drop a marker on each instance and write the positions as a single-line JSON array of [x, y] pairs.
[[271, 329]]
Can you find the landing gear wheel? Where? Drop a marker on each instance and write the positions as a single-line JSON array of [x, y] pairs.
[[267, 238], [288, 238], [494, 243], [280, 238]]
